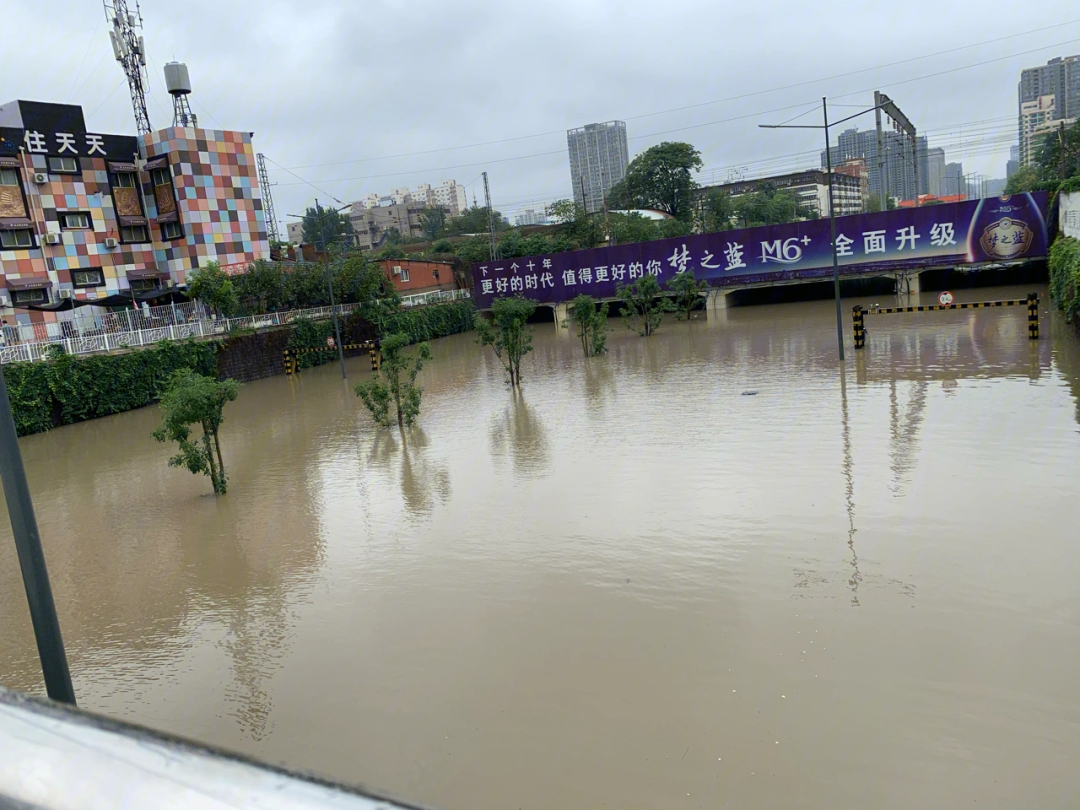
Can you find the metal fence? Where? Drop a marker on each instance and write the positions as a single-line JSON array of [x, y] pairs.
[[135, 328]]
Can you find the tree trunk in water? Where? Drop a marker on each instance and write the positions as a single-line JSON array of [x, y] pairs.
[[210, 459], [221, 463]]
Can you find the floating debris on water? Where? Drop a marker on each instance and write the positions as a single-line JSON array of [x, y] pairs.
[[749, 393]]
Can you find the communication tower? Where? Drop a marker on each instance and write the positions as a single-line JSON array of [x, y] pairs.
[[130, 51], [178, 83], [268, 200], [493, 239]]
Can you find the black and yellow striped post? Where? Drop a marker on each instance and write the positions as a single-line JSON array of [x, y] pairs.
[[858, 326], [292, 365], [1033, 316]]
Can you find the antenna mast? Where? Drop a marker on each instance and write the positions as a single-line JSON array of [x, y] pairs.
[[130, 51], [268, 201], [178, 83], [491, 221]]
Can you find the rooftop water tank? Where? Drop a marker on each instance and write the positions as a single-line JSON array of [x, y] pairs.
[[177, 80]]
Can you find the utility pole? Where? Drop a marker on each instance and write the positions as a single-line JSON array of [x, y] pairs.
[[883, 189], [330, 285], [1061, 150], [494, 242], [832, 230], [883, 102]]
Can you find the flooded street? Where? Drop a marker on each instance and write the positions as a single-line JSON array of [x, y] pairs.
[[635, 585]]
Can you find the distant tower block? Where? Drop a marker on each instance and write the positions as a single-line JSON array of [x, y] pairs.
[[178, 83]]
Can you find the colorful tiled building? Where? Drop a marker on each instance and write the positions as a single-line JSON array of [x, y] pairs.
[[87, 216]]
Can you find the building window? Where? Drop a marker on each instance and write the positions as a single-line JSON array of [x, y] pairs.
[[63, 165], [9, 177], [125, 180], [133, 233], [87, 278], [16, 239], [144, 284], [404, 274], [160, 177], [171, 230], [36, 296], [75, 221]]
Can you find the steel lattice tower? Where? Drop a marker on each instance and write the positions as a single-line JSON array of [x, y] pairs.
[[268, 200], [130, 51]]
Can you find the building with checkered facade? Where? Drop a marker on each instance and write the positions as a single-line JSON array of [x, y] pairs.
[[86, 216]]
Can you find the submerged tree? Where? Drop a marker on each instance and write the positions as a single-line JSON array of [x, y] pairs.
[[591, 323], [192, 399], [644, 304], [507, 333], [688, 292], [393, 390]]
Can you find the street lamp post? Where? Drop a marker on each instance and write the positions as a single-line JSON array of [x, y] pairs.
[[323, 242], [824, 127]]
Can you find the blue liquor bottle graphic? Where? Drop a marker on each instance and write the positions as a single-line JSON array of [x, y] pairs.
[[1006, 228]]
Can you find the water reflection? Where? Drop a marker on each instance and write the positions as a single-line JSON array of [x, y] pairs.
[[849, 489], [518, 434], [423, 479]]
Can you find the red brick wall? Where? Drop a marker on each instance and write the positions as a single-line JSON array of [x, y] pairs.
[[422, 276]]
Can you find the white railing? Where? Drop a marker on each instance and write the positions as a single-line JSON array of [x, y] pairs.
[[434, 297], [85, 335]]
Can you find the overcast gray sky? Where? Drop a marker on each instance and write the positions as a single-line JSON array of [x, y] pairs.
[[369, 96]]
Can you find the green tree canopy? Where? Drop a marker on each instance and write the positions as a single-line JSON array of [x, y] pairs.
[[717, 212], [660, 178], [643, 303], [474, 220], [770, 206], [507, 333], [392, 391], [210, 285], [591, 322], [1056, 161], [688, 292], [191, 399], [432, 222], [325, 226]]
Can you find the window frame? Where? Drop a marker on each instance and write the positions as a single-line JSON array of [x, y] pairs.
[[126, 241], [175, 224], [161, 171], [85, 284], [63, 215], [54, 169], [141, 285], [15, 172], [29, 233], [130, 175], [19, 296], [404, 276]]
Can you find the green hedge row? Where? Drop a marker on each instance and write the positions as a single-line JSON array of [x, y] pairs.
[[433, 321], [72, 388], [1065, 276]]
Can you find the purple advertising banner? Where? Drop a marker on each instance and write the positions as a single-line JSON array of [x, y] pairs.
[[996, 229]]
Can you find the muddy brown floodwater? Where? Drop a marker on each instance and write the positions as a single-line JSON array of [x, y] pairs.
[[631, 586]]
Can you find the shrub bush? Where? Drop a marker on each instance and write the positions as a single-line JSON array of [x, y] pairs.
[[1065, 276]]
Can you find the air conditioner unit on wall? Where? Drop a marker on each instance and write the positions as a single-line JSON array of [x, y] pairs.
[[110, 242], [53, 239], [397, 271], [41, 177], [67, 294]]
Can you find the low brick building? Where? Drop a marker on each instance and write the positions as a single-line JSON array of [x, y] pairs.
[[411, 277]]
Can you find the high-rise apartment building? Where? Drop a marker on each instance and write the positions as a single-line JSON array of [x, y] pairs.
[[1034, 118], [1047, 93], [955, 182], [897, 180], [531, 216], [1060, 78], [598, 160], [935, 172], [1013, 164], [449, 194]]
